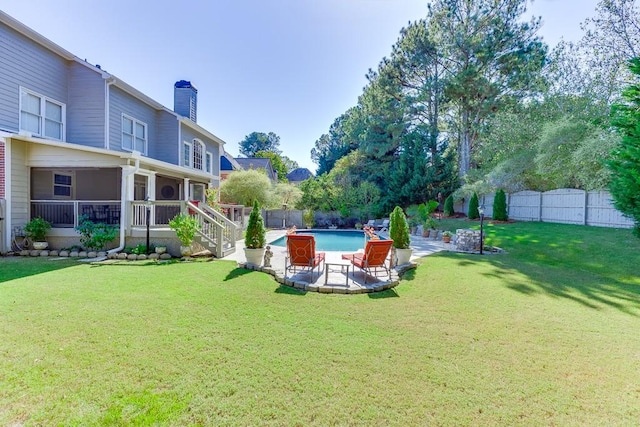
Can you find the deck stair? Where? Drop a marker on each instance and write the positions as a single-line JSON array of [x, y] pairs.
[[217, 233]]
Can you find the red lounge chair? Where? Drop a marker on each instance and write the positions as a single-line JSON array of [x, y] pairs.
[[301, 253], [375, 256]]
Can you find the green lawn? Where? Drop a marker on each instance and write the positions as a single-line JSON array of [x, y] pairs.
[[546, 334]]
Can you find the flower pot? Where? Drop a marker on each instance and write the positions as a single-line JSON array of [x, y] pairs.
[[40, 245], [425, 232], [186, 250], [403, 256], [254, 256]]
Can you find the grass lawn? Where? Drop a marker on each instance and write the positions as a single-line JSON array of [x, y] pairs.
[[546, 334]]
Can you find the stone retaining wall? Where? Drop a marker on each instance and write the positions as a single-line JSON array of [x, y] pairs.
[[468, 240]]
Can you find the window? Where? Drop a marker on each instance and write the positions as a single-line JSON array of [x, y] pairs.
[[41, 116], [209, 163], [134, 135], [198, 149], [186, 154], [62, 185]]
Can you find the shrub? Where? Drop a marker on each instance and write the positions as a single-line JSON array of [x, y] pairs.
[[255, 236], [473, 207], [309, 218], [95, 235], [448, 206], [500, 206], [399, 229], [37, 229], [186, 227]]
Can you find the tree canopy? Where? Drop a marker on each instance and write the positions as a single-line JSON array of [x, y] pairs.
[[259, 141]]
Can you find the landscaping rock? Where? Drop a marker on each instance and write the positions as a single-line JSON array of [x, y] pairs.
[[82, 254], [34, 253], [122, 255], [165, 256], [73, 254], [25, 252], [154, 256], [92, 254], [44, 253], [64, 253], [132, 257], [141, 257], [53, 253]]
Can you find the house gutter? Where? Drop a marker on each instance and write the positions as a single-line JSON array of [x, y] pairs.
[[109, 80], [123, 204]]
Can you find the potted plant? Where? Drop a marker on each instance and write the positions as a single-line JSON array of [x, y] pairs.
[[399, 233], [255, 237], [186, 227], [309, 218], [36, 230], [446, 236]]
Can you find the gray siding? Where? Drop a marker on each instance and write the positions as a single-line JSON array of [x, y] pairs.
[[121, 103], [24, 63], [165, 146], [188, 135], [19, 184], [85, 111]]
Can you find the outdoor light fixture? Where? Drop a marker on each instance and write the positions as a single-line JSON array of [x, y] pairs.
[[481, 212], [147, 204]]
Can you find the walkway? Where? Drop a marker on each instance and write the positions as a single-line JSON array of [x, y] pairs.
[[337, 282]]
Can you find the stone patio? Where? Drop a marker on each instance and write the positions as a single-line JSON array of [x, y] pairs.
[[337, 280]]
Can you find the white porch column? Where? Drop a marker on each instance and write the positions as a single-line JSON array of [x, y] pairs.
[[187, 189]]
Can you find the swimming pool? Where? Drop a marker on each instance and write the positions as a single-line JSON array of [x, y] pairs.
[[331, 240]]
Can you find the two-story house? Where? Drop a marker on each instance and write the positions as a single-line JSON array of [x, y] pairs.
[[76, 140]]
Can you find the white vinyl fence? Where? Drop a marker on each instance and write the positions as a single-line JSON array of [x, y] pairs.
[[565, 205]]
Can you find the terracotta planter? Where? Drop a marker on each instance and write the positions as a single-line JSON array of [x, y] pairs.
[[446, 239], [186, 250], [254, 256]]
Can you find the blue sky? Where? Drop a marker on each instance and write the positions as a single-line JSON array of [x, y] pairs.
[[284, 66]]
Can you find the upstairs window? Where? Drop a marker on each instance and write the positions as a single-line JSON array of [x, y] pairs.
[[186, 154], [198, 154], [209, 163], [41, 116], [134, 135]]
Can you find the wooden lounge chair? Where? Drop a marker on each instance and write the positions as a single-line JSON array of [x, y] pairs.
[[374, 257], [301, 254]]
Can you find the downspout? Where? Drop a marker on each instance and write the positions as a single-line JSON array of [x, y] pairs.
[[108, 82], [123, 204]]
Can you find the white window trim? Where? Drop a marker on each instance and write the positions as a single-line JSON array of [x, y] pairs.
[[203, 151], [146, 133], [43, 100], [186, 160], [208, 158], [70, 174]]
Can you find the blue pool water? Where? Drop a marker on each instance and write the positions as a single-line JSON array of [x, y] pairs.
[[331, 240]]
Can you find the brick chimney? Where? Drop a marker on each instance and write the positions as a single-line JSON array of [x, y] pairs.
[[185, 100]]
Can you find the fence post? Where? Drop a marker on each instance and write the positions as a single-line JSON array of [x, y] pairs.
[[540, 208], [585, 212]]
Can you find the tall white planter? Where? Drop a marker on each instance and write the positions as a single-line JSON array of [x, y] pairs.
[[254, 256], [403, 256]]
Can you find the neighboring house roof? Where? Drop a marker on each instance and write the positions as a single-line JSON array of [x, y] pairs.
[[299, 175], [258, 163], [228, 163]]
